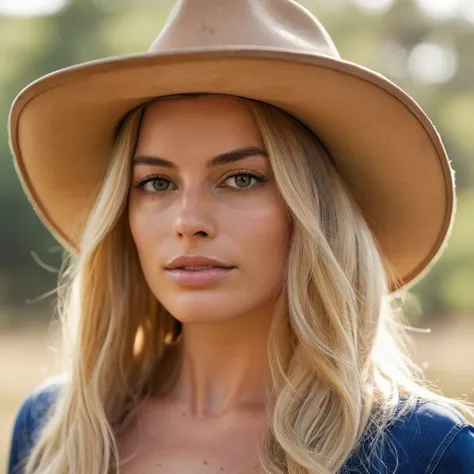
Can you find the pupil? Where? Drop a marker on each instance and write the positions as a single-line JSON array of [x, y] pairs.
[[244, 180]]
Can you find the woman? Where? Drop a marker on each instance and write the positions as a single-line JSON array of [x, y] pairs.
[[239, 204]]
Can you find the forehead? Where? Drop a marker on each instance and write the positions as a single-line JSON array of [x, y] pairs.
[[207, 124]]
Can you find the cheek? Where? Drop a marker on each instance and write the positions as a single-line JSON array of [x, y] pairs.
[[145, 234], [264, 237], [137, 230]]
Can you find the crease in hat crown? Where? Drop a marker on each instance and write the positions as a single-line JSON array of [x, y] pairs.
[[280, 24]]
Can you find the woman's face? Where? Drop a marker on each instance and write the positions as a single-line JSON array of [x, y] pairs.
[[203, 186]]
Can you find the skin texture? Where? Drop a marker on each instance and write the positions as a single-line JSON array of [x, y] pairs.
[[216, 410]]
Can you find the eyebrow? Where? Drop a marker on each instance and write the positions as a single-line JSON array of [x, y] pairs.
[[222, 159]]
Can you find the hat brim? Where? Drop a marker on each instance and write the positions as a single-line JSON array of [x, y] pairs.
[[62, 129]]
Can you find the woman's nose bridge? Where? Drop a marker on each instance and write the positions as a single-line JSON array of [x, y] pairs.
[[195, 210]]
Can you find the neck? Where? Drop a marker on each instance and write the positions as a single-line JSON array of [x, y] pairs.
[[224, 365]]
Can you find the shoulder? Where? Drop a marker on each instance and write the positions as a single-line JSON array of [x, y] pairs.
[[436, 438], [431, 438], [30, 418]]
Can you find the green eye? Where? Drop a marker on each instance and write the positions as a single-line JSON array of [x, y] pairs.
[[155, 184], [243, 180]]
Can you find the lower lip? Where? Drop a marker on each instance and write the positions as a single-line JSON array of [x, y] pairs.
[[199, 278]]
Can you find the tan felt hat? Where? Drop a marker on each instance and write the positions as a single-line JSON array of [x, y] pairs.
[[63, 125]]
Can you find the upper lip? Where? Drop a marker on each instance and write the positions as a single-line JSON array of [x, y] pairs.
[[196, 261]]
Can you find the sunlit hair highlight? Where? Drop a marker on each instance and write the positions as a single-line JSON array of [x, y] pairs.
[[339, 350]]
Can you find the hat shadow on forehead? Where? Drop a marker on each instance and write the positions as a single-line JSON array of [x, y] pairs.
[[282, 24], [383, 145]]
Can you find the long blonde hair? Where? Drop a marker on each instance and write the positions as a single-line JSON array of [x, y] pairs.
[[339, 350]]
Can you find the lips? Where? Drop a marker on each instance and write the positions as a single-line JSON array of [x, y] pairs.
[[196, 263], [199, 271], [199, 268]]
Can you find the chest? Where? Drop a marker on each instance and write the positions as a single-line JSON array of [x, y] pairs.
[[161, 442]]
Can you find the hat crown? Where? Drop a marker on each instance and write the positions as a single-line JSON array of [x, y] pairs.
[[240, 24]]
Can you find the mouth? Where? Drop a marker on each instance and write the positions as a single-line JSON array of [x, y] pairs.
[[196, 262], [197, 268], [199, 276]]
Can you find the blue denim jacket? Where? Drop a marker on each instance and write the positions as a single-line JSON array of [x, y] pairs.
[[430, 439]]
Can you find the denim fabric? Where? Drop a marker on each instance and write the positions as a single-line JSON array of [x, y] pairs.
[[430, 439], [29, 420]]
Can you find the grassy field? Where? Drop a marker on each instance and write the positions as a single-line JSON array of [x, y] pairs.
[[26, 358]]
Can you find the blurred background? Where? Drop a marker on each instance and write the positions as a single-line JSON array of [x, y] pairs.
[[424, 46]]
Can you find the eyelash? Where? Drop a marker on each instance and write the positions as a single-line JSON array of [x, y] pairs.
[[260, 179]]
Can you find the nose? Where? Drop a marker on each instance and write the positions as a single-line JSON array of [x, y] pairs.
[[195, 217]]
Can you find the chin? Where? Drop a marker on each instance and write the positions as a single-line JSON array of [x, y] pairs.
[[200, 307]]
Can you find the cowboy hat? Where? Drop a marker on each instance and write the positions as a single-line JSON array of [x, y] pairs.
[[62, 126]]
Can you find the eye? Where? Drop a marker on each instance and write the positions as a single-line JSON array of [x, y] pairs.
[[155, 184], [243, 180]]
